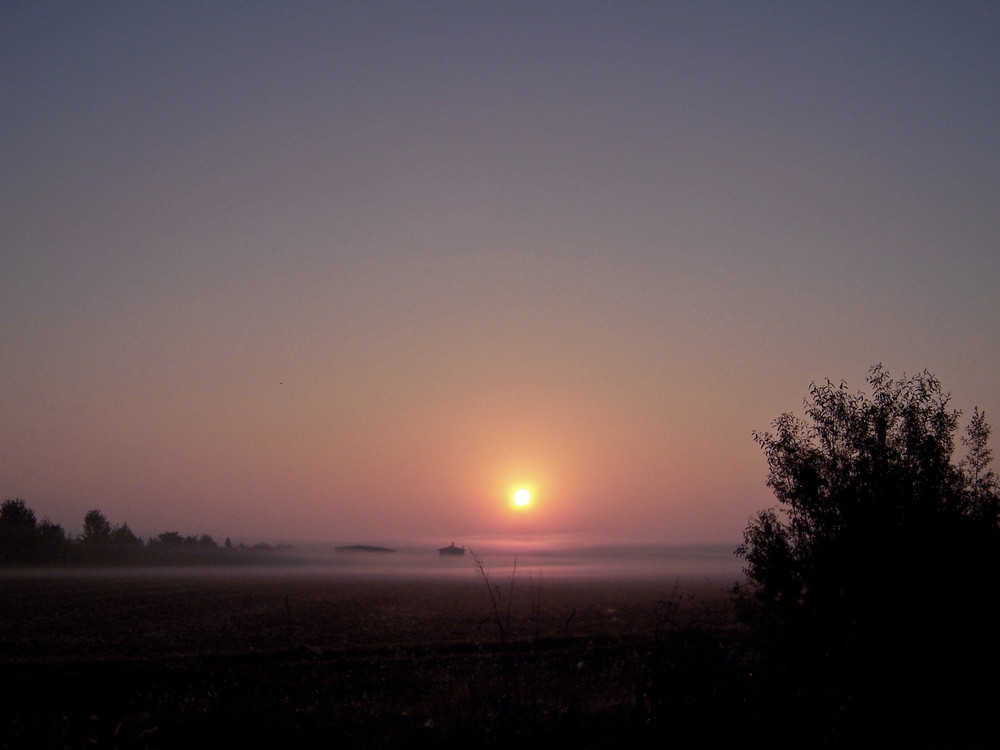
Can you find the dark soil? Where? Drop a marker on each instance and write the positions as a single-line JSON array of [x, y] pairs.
[[155, 662]]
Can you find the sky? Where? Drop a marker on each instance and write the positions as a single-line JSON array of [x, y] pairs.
[[356, 271]]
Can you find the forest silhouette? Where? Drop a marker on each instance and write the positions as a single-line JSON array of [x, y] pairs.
[[24, 540]]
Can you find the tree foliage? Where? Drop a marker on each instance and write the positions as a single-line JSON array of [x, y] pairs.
[[883, 547], [16, 516], [867, 487], [18, 529], [96, 527], [875, 517]]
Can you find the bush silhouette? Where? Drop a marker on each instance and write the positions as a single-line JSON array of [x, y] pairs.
[[883, 550]]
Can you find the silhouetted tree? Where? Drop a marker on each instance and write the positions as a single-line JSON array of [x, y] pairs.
[[123, 538], [50, 530], [18, 531], [170, 539], [865, 482], [982, 486], [883, 548], [54, 545], [104, 543], [16, 515], [96, 527], [25, 540]]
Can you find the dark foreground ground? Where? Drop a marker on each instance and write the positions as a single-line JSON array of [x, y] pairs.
[[133, 661]]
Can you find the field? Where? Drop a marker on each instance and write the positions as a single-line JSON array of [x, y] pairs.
[[183, 659]]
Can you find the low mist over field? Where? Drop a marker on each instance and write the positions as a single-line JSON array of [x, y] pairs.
[[540, 560]]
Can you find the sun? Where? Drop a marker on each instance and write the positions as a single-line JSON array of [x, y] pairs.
[[522, 497]]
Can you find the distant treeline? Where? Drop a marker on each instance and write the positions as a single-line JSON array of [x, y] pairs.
[[24, 540]]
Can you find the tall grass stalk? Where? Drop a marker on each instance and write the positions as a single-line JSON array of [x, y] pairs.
[[501, 604]]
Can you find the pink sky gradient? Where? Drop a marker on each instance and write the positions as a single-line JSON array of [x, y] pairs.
[[354, 272]]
